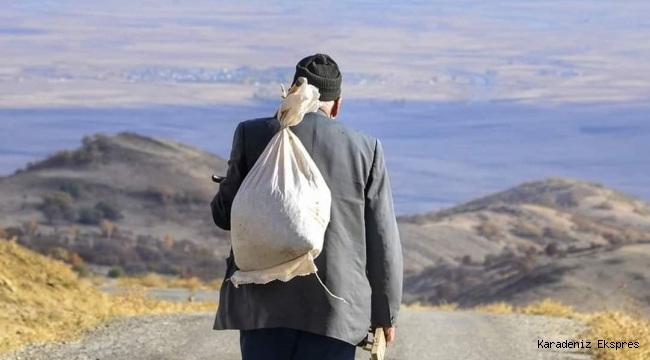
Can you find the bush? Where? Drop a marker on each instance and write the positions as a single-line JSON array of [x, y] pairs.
[[57, 206], [30, 226], [90, 216], [81, 269], [116, 272], [109, 210], [71, 188], [12, 232], [552, 250], [108, 228], [60, 254]]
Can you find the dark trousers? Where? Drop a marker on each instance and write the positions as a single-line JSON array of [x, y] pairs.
[[289, 344]]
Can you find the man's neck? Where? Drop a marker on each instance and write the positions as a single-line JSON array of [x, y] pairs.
[[325, 112]]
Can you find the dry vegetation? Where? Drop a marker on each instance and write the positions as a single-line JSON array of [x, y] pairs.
[[152, 280], [610, 326], [42, 299]]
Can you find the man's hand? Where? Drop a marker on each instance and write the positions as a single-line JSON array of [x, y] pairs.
[[389, 333]]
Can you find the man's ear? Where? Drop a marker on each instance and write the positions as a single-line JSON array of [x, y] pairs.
[[337, 106]]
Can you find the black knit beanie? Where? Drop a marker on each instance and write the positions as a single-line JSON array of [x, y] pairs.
[[322, 72]]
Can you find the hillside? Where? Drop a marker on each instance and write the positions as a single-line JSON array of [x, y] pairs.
[[124, 200], [570, 213], [141, 204], [42, 300], [573, 241], [150, 179]]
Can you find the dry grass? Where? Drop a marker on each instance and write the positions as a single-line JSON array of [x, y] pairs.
[[442, 307], [550, 307], [158, 281], [619, 327], [609, 326], [495, 308], [42, 300]]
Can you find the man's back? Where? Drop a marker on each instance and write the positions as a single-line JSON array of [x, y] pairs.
[[361, 245]]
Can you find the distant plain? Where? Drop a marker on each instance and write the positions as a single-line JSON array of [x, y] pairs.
[[468, 97]]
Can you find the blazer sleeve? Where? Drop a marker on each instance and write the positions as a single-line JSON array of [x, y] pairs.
[[222, 202], [384, 266]]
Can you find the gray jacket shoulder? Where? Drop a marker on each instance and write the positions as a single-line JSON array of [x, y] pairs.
[[333, 128]]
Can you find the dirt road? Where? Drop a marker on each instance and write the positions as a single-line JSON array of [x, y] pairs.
[[422, 335]]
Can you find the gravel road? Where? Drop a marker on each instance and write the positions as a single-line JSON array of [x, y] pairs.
[[422, 335]]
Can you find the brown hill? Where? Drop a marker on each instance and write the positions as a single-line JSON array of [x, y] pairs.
[[573, 241], [159, 186], [576, 241], [124, 200], [569, 213]]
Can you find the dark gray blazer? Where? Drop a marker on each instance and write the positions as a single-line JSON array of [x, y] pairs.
[[362, 255]]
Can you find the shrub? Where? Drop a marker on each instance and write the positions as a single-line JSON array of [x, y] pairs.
[[13, 231], [71, 188], [552, 250], [107, 228], [76, 260], [3, 234], [467, 260], [108, 210], [57, 205], [116, 272], [31, 226], [60, 254], [81, 269], [90, 216]]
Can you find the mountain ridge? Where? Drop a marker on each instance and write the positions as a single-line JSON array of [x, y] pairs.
[[513, 245]]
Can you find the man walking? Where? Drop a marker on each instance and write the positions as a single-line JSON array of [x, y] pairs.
[[361, 259]]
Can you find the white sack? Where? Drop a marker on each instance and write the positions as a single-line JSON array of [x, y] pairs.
[[282, 209]]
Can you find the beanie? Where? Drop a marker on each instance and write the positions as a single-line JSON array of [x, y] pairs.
[[322, 72]]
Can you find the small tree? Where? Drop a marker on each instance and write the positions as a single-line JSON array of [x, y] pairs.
[[116, 272], [31, 226], [90, 216], [552, 250], [70, 188], [109, 210], [107, 228], [3, 233], [57, 206], [467, 260], [76, 260]]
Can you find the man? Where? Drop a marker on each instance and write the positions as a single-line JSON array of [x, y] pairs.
[[361, 259]]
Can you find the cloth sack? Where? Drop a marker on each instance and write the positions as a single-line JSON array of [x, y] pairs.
[[282, 209]]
